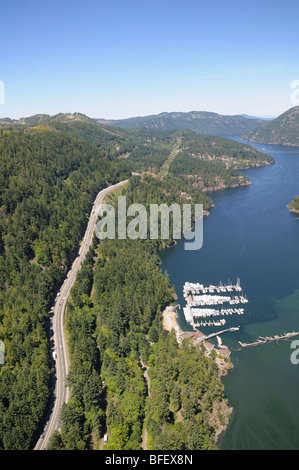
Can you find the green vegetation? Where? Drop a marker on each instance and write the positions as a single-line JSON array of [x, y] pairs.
[[234, 154], [48, 182], [148, 189], [149, 149], [107, 336], [114, 324], [211, 162], [51, 169], [112, 141], [184, 387], [281, 131]]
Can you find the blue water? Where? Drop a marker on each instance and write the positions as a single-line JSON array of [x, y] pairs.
[[251, 234]]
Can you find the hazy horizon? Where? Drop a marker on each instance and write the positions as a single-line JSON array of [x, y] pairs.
[[141, 115]]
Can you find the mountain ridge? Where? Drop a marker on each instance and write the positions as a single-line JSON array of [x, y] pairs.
[[284, 130], [201, 122]]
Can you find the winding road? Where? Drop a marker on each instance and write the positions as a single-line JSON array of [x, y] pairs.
[[59, 347]]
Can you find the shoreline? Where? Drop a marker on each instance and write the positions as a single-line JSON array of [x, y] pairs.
[[170, 322], [224, 186], [278, 143], [220, 407], [293, 211]]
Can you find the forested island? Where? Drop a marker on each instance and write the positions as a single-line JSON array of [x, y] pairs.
[[294, 205], [51, 169], [201, 122]]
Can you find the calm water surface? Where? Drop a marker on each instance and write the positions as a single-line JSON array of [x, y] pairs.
[[251, 234]]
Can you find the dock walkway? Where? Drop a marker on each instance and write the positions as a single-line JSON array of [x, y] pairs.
[[269, 339]]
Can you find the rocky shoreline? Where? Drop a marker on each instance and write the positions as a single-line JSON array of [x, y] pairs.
[[224, 186], [294, 211]]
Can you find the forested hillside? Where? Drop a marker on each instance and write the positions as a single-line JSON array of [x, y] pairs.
[[114, 323], [201, 122], [47, 185], [212, 162], [284, 130]]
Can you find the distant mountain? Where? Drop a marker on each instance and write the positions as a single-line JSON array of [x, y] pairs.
[[147, 149], [284, 130], [201, 122], [76, 125], [45, 118]]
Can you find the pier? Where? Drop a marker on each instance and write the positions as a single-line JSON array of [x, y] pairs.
[[198, 338], [204, 302], [212, 335]]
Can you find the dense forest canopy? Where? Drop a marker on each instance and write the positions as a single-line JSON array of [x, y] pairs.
[[48, 182], [201, 122], [114, 323], [212, 162]]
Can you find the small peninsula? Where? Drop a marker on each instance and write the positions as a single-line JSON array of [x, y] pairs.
[[294, 205]]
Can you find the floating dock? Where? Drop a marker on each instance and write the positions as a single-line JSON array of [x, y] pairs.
[[204, 302], [208, 312], [211, 323], [197, 288]]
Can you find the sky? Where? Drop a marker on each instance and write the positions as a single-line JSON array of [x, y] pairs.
[[119, 59]]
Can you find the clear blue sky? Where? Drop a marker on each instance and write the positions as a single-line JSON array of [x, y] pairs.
[[116, 59]]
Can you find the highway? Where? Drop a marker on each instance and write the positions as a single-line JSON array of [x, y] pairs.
[[58, 342]]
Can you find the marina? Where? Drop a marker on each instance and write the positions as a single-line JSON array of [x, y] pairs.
[[197, 288], [208, 312], [199, 299]]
